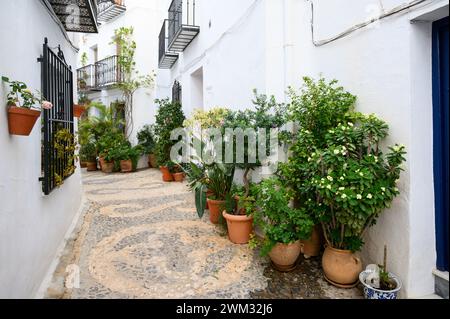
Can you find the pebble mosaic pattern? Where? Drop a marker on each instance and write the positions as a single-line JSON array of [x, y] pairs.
[[141, 238]]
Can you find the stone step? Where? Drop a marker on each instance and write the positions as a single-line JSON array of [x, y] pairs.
[[441, 283]]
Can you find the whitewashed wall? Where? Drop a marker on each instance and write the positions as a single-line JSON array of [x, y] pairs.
[[32, 226], [267, 44]]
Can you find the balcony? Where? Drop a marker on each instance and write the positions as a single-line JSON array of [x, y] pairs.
[[182, 29], [79, 17], [103, 74], [110, 9], [166, 58]]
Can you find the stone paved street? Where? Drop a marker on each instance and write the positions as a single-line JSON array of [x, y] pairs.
[[141, 238]]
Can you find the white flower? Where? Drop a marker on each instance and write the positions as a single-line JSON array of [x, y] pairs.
[[350, 124], [344, 196], [342, 178], [383, 189], [376, 159], [396, 189], [361, 174], [342, 188], [369, 196], [336, 152], [330, 178], [359, 196], [309, 159], [328, 186]]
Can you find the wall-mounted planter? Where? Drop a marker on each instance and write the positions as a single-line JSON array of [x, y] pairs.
[[78, 110], [21, 120]]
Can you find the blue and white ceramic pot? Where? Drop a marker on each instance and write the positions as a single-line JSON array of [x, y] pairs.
[[373, 293]]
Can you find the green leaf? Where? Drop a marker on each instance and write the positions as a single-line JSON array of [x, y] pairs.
[[200, 200]]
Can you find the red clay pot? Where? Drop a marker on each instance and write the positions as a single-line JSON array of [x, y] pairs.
[[341, 267], [239, 227], [78, 110], [91, 166], [284, 256], [215, 207], [178, 177], [83, 164], [21, 120], [126, 166], [166, 174], [107, 167]]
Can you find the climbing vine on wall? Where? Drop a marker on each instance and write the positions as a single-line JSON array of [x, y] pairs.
[[131, 79]]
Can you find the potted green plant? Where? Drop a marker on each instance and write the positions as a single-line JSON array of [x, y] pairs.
[[127, 157], [351, 183], [146, 138], [109, 146], [282, 225], [82, 106], [169, 117], [219, 180], [178, 173], [379, 283], [88, 155], [23, 109]]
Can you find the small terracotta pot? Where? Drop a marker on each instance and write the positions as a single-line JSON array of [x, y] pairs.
[[91, 166], [239, 227], [284, 256], [108, 167], [215, 207], [166, 175], [312, 247], [78, 110], [152, 162], [101, 161], [178, 177], [341, 267], [126, 166], [21, 120]]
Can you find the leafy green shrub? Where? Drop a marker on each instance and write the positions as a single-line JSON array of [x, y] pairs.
[[170, 116], [280, 222], [88, 152]]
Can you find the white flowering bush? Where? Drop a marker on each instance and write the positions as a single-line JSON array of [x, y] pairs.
[[337, 169]]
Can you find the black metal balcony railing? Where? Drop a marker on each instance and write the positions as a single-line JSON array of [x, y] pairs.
[[166, 59], [110, 9], [108, 72], [181, 29], [76, 16], [102, 74]]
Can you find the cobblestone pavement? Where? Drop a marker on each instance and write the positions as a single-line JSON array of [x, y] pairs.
[[141, 238]]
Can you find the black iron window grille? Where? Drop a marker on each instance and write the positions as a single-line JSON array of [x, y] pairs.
[[176, 92], [58, 153], [108, 72]]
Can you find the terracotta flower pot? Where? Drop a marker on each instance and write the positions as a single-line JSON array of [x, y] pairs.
[[21, 120], [312, 247], [341, 267], [215, 207], [78, 110], [152, 162], [83, 164], [91, 166], [178, 177], [107, 167], [126, 166], [239, 228], [101, 161], [209, 193], [284, 256], [166, 175]]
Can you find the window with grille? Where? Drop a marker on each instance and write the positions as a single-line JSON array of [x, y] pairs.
[[176, 92]]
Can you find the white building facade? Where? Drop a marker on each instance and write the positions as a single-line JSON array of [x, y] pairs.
[[228, 48], [33, 225]]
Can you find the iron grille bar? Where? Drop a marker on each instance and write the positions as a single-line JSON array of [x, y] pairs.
[[57, 87]]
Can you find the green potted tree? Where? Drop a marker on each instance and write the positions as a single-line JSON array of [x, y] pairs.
[[169, 117], [282, 225], [146, 139]]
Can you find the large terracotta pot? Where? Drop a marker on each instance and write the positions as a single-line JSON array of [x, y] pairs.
[[215, 207], [341, 267], [21, 120], [166, 175], [78, 110], [83, 164], [239, 227], [126, 166], [91, 166], [152, 161], [108, 167], [178, 177], [284, 256], [312, 247]]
